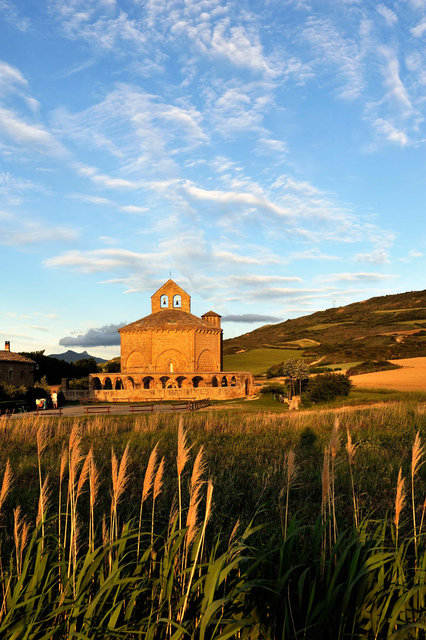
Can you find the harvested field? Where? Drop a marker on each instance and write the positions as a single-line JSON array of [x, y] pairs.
[[412, 376]]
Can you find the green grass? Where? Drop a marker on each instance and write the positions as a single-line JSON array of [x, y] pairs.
[[258, 360], [304, 343], [325, 325]]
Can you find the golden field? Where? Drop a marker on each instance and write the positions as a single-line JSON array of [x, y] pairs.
[[412, 376]]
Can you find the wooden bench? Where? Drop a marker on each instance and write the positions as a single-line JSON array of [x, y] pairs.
[[95, 409], [49, 412], [141, 408]]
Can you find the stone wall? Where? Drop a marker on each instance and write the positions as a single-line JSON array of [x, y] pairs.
[[17, 373]]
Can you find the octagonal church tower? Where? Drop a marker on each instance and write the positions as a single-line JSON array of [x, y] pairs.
[[171, 339], [171, 354]]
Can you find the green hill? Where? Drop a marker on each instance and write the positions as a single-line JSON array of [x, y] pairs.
[[384, 327]]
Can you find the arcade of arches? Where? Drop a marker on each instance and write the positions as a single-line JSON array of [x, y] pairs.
[[171, 354]]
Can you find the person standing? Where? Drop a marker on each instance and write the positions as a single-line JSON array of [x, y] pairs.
[[55, 400]]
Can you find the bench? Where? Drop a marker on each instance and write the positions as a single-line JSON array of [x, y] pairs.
[[49, 412], [95, 409], [141, 408]]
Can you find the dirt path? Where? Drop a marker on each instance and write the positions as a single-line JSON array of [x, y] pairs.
[[412, 376]]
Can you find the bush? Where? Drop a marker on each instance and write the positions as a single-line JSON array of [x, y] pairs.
[[273, 387], [371, 366], [327, 386], [79, 383]]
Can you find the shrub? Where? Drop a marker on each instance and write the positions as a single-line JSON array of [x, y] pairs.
[[79, 383], [327, 386], [371, 366]]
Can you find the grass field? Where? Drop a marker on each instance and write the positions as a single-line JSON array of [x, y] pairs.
[[258, 360], [215, 525]]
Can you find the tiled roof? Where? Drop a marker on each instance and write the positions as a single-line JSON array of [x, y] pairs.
[[169, 319], [211, 313], [9, 356]]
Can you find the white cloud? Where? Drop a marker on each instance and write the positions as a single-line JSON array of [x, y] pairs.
[[377, 256], [390, 132], [18, 231], [419, 30], [357, 277], [390, 16], [33, 136]]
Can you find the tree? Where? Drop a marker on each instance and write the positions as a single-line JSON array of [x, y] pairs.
[[302, 372]]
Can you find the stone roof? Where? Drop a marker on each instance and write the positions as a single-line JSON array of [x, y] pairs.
[[211, 313], [10, 356], [169, 319]]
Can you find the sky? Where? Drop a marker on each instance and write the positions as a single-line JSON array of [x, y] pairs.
[[269, 156]]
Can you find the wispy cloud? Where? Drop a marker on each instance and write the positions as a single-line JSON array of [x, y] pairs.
[[357, 277]]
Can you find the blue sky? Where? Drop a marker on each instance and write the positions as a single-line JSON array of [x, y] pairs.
[[269, 155]]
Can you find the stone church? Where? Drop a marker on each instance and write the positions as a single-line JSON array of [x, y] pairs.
[[171, 354]]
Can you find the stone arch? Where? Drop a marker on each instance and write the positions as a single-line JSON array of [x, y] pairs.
[[164, 301], [180, 380], [233, 381], [172, 361], [135, 360], [171, 384], [119, 386], [224, 382], [206, 361], [130, 383], [196, 381], [147, 382], [108, 384], [177, 301], [164, 380], [96, 384], [215, 382]]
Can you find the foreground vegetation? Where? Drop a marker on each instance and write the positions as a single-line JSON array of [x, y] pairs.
[[258, 526]]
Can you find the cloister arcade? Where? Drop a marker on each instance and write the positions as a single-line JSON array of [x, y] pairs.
[[118, 386]]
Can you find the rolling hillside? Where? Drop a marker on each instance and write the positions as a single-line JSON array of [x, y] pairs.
[[392, 326]]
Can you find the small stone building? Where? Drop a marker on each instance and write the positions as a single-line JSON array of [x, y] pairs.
[[15, 369], [171, 354]]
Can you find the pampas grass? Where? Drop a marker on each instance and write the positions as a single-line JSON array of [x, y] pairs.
[[416, 463], [146, 489], [399, 502]]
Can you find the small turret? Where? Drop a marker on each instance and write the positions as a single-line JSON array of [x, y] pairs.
[[212, 318]]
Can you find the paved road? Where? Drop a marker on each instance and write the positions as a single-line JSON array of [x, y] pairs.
[[114, 409]]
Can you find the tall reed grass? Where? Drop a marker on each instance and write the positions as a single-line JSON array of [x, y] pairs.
[[75, 565]]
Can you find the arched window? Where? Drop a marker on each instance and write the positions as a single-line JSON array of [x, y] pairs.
[[147, 382], [233, 381], [215, 382], [224, 382], [177, 301], [107, 383], [164, 302], [179, 381], [130, 383], [97, 383], [196, 381], [119, 384], [164, 380]]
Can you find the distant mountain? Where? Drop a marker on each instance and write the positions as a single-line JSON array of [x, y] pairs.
[[73, 356], [392, 326]]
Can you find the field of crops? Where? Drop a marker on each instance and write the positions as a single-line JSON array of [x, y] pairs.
[[259, 526], [258, 360]]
